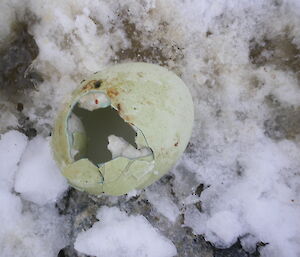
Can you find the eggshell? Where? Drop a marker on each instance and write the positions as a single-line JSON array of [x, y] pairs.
[[154, 101]]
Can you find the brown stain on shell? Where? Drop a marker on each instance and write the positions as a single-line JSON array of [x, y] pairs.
[[112, 92], [119, 107], [89, 85], [121, 111], [127, 118]]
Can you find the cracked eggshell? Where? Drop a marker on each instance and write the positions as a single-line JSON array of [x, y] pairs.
[[155, 102]]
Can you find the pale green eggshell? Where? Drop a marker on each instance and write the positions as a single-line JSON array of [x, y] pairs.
[[155, 102]]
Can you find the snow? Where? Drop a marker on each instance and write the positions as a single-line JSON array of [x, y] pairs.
[[260, 201], [250, 172], [30, 233], [118, 146], [225, 226], [164, 205], [38, 178], [26, 229], [118, 234], [162, 202], [12, 145]]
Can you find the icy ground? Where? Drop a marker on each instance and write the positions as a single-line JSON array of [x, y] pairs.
[[238, 184]]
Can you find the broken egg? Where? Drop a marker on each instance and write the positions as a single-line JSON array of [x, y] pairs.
[[123, 128]]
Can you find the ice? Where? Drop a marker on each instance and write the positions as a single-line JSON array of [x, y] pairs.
[[38, 178], [118, 234]]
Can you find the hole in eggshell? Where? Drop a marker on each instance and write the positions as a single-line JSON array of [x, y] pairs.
[[99, 133], [98, 125]]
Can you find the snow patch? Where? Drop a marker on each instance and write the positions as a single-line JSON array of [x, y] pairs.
[[120, 235], [38, 178], [26, 229], [163, 203], [12, 146]]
